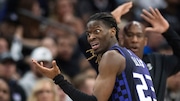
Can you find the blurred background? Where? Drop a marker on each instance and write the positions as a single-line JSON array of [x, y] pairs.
[[49, 29]]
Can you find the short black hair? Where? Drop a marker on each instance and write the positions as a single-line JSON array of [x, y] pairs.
[[107, 19]]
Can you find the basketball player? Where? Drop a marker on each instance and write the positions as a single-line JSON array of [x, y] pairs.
[[122, 75]]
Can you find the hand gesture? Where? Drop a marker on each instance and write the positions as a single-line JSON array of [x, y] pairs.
[[158, 22], [46, 71], [121, 10]]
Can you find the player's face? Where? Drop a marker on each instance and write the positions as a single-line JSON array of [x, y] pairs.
[[135, 39], [98, 35]]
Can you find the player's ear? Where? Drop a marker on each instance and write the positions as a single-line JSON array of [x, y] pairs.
[[113, 31]]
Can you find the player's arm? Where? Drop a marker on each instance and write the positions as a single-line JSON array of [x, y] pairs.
[[55, 74], [161, 26], [102, 91], [112, 64]]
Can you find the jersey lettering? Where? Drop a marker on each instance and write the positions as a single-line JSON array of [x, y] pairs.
[[137, 61], [143, 87]]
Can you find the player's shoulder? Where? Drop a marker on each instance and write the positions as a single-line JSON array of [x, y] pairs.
[[112, 61], [112, 55]]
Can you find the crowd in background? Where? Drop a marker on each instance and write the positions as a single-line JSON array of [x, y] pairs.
[[48, 30]]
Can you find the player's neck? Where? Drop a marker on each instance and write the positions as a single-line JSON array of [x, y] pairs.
[[113, 42]]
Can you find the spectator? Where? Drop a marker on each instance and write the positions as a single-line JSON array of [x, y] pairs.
[[44, 90], [4, 45], [8, 65], [30, 33], [4, 90], [64, 13], [68, 55], [84, 83], [30, 78], [173, 88], [51, 44]]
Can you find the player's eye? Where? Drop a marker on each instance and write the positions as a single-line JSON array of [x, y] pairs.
[[129, 34], [140, 35], [88, 34], [97, 31]]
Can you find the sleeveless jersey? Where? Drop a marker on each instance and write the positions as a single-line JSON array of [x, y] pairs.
[[134, 83]]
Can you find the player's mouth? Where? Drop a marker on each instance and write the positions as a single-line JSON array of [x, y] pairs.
[[94, 45], [134, 49]]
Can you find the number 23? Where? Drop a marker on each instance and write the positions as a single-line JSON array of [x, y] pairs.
[[141, 87]]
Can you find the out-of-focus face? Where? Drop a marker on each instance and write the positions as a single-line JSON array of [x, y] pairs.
[[98, 35], [4, 91], [36, 10], [1, 70], [65, 48], [135, 38], [45, 93], [88, 86], [51, 45], [61, 94], [64, 7], [3, 45], [9, 69]]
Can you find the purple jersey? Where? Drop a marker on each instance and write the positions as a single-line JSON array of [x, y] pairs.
[[134, 83]]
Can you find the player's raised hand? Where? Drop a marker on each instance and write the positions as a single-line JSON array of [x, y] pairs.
[[158, 22], [121, 10], [46, 71]]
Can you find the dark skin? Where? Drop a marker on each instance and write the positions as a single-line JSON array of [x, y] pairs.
[[98, 36], [135, 43], [135, 38], [107, 72], [4, 91], [104, 37]]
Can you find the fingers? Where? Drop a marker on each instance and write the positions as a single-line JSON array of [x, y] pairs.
[[149, 29], [148, 14], [153, 12], [39, 67], [55, 67], [146, 18], [128, 4], [41, 63], [126, 7], [158, 13], [121, 10], [54, 63], [36, 63]]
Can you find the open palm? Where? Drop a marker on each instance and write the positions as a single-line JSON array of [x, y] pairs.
[[121, 10], [46, 71], [158, 22]]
